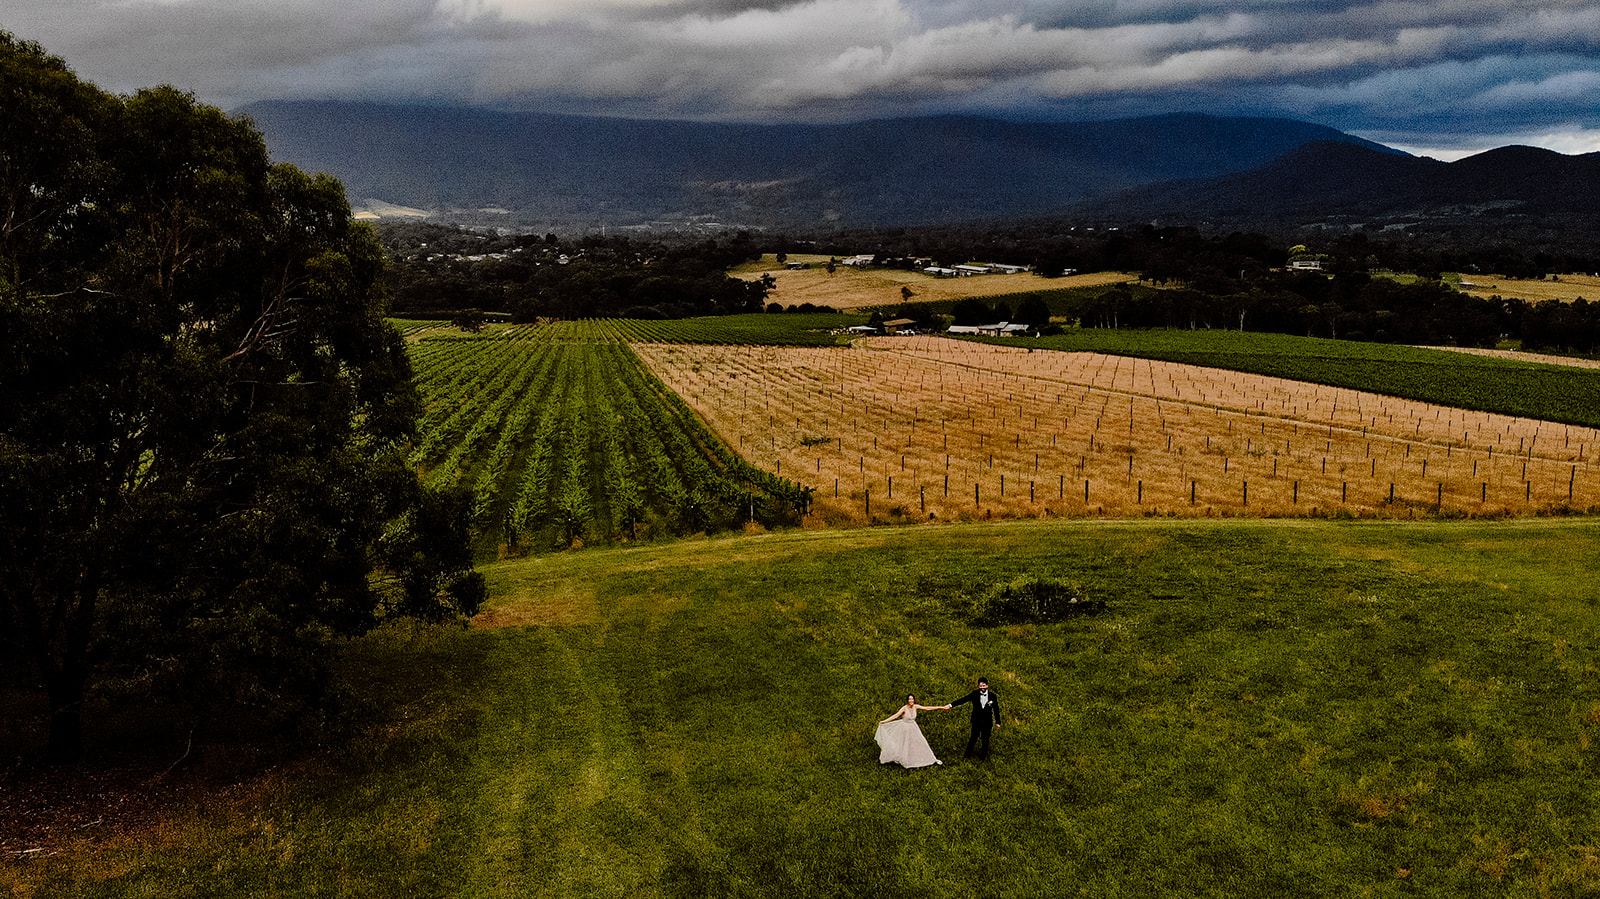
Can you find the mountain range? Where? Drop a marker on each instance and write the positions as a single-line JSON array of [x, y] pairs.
[[533, 171], [1521, 195]]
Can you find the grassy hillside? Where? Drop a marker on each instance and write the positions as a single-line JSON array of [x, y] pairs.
[[1302, 708]]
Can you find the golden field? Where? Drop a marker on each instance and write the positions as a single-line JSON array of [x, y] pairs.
[[1522, 356], [928, 427], [849, 288], [1569, 288]]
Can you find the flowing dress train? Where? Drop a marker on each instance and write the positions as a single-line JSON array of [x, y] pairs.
[[902, 742]]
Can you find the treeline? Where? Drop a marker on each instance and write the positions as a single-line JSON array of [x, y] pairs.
[[1346, 306], [1343, 306], [1236, 281], [1184, 254], [435, 270]]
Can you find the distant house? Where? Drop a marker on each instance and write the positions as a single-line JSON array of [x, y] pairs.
[[999, 269], [858, 261], [972, 269], [895, 326], [938, 272], [962, 329], [864, 329], [1306, 265]]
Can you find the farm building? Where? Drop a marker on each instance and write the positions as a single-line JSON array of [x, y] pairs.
[[895, 326], [1003, 329]]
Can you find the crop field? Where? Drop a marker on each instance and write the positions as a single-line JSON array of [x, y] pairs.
[[562, 437], [849, 288], [918, 428], [1510, 386], [759, 329], [574, 433]]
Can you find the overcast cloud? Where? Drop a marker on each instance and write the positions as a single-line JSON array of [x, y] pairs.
[[1442, 77]]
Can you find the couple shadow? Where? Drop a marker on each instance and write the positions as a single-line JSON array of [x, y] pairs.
[[900, 740]]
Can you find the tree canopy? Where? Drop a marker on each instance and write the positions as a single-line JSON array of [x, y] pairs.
[[203, 410]]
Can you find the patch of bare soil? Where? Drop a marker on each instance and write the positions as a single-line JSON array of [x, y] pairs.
[[1523, 357], [51, 809]]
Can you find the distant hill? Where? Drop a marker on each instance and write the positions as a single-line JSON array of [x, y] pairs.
[[1520, 195], [538, 170]]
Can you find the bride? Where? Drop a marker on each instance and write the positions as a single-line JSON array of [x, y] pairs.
[[902, 741]]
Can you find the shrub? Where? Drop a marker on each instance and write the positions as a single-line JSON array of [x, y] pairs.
[[1033, 599]]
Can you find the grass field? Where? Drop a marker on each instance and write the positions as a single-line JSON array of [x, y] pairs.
[[1568, 288], [850, 288], [1520, 356], [1267, 708]]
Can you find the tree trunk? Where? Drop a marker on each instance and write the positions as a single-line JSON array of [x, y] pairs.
[[64, 688], [64, 664]]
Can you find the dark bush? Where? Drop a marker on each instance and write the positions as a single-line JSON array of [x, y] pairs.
[[1033, 599]]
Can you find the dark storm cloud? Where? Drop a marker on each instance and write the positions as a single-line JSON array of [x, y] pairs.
[[1435, 73]]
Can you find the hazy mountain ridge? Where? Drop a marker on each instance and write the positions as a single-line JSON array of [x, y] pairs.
[[1522, 195], [560, 170]]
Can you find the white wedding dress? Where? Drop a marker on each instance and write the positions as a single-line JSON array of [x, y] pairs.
[[902, 742]]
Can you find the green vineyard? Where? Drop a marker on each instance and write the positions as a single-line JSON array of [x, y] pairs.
[[754, 329], [1504, 386], [563, 438]]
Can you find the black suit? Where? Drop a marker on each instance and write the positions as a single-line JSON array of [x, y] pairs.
[[984, 717]]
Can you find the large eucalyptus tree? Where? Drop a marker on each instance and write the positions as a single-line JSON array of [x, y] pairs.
[[202, 409]]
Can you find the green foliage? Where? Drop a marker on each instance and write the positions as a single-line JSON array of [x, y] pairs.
[[470, 320], [204, 409], [437, 268]]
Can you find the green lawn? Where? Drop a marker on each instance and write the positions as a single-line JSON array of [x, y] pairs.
[[1284, 708]]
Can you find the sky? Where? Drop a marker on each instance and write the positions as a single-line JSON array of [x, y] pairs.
[[1443, 78]]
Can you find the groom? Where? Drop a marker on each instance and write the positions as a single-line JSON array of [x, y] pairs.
[[985, 717]]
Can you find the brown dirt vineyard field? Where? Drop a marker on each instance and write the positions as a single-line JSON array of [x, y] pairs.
[[926, 427]]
